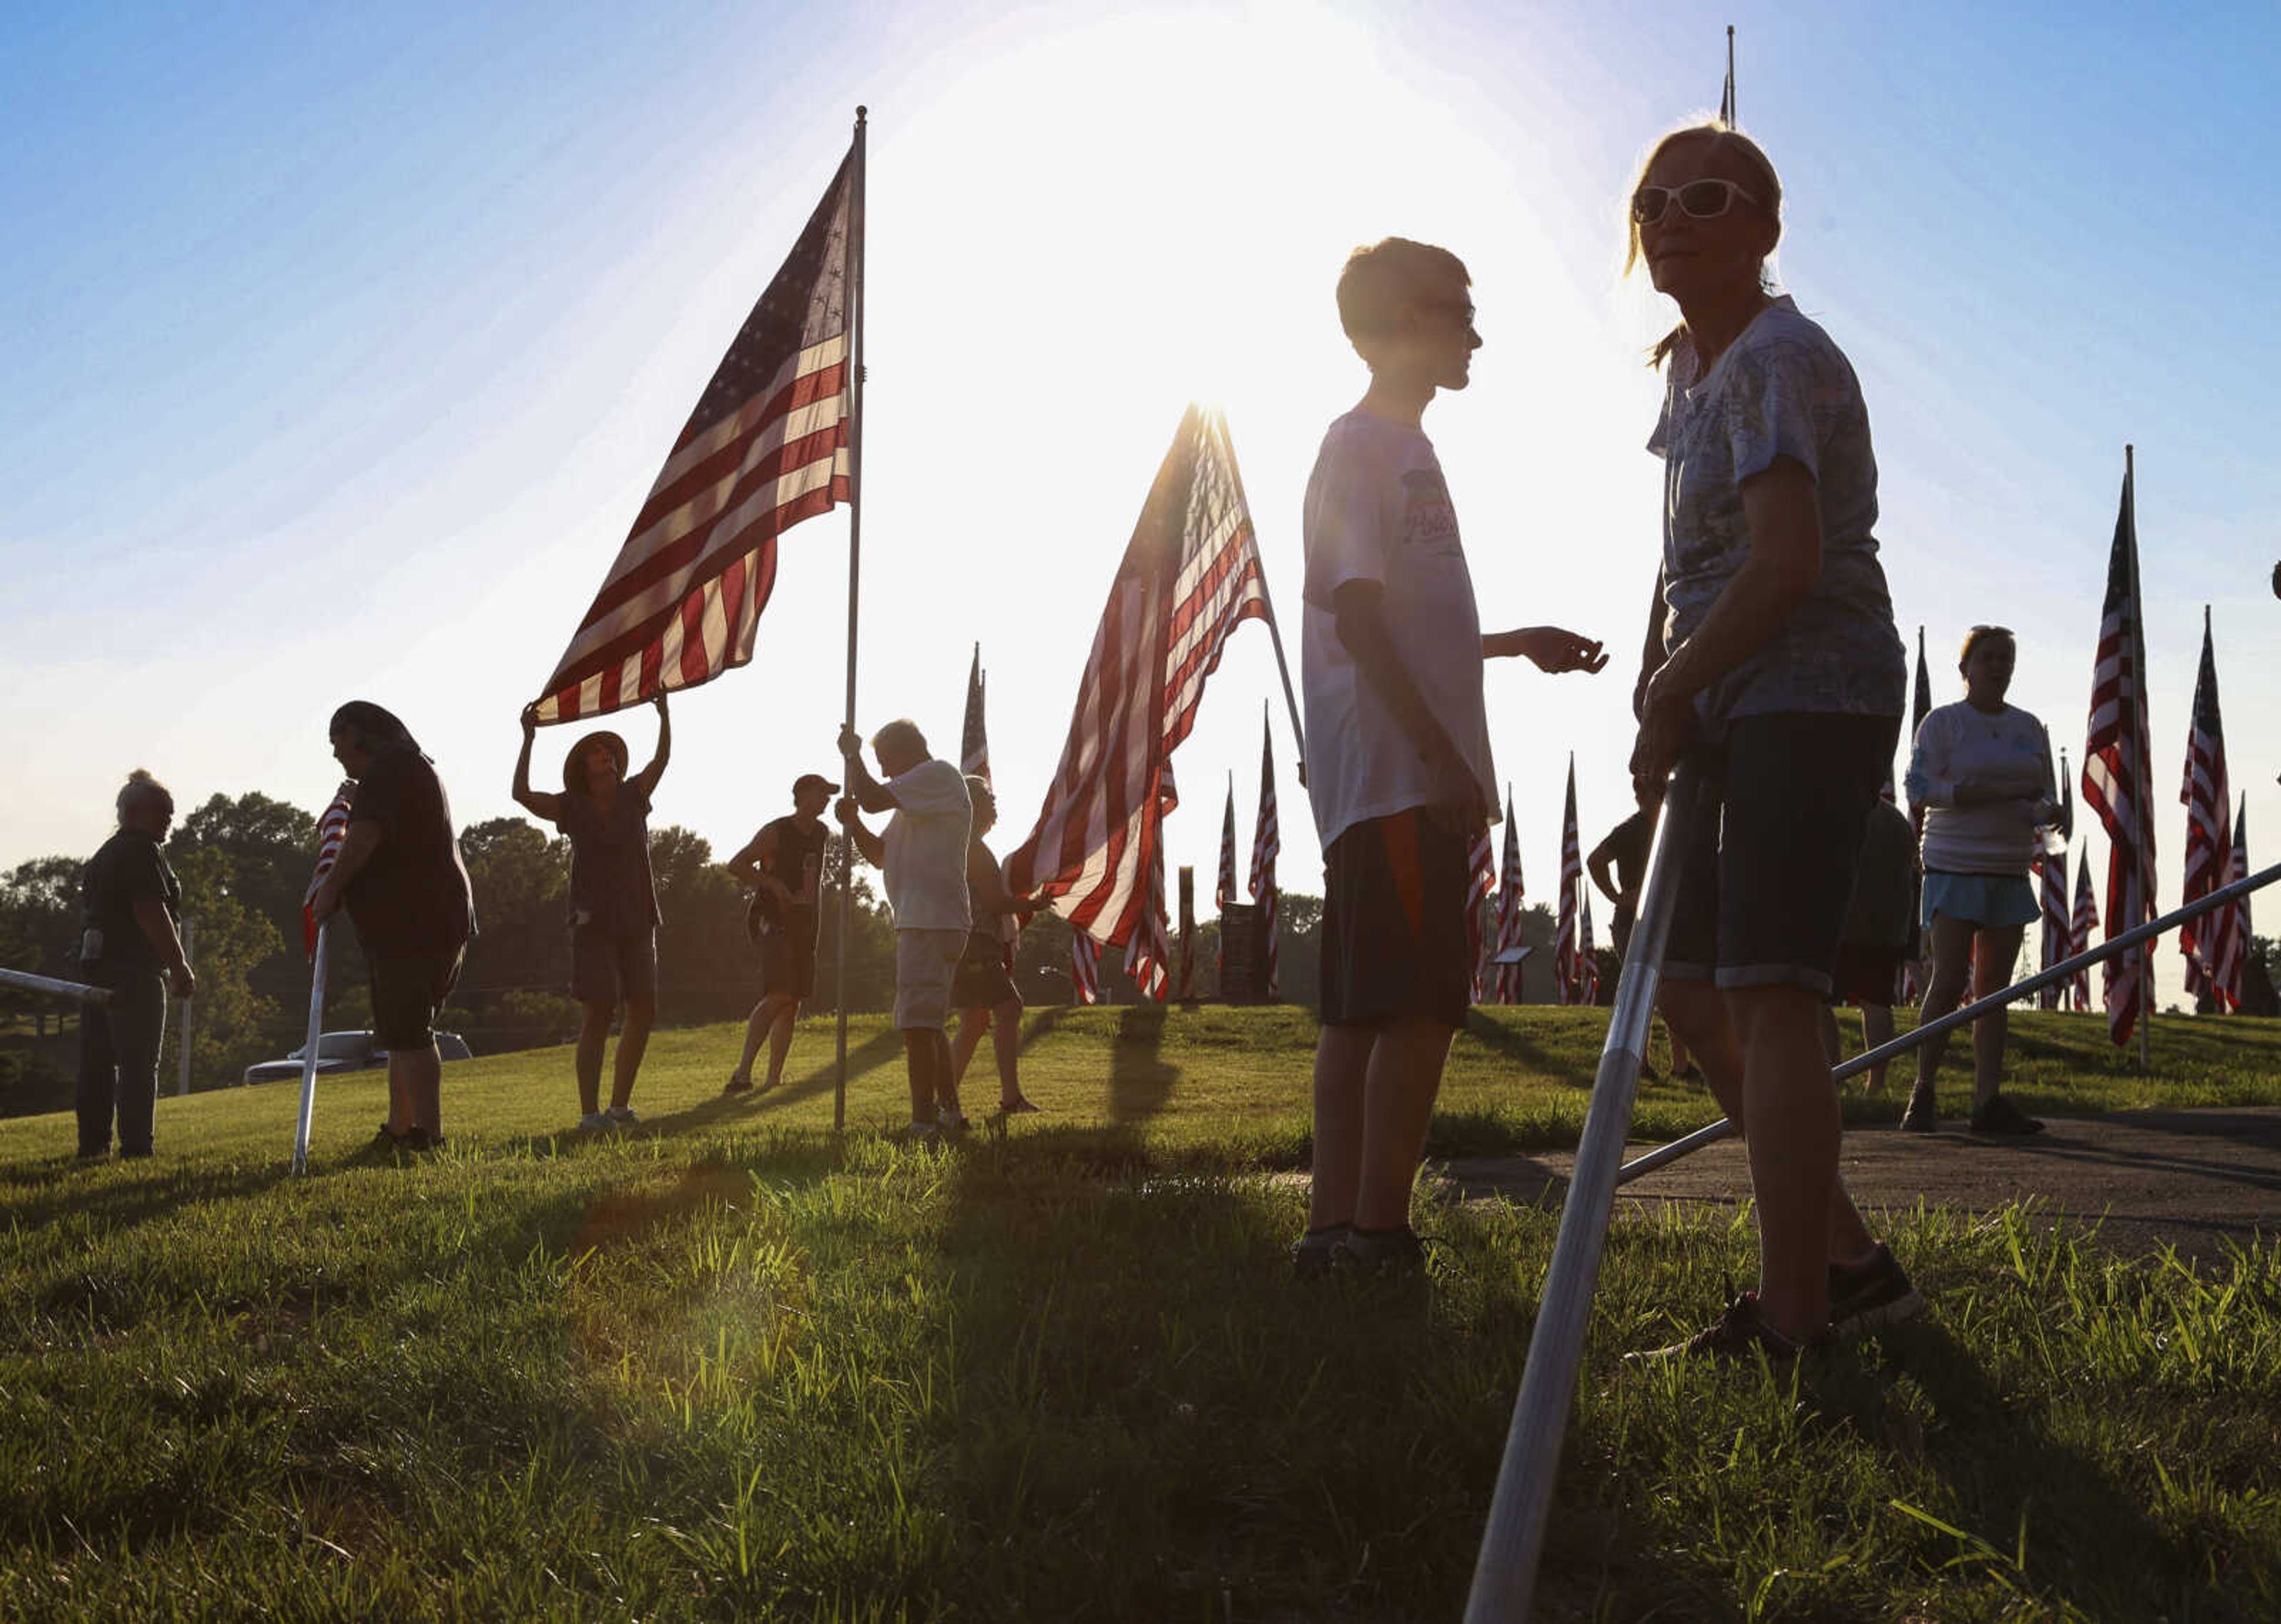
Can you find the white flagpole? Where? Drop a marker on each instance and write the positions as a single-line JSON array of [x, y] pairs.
[[309, 1051], [855, 573]]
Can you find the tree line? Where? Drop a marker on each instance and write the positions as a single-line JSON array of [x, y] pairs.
[[245, 864]]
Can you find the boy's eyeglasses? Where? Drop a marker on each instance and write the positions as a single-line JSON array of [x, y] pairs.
[[1698, 199]]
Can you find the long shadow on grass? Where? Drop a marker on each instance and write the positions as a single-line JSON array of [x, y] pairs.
[[113, 1200], [1508, 1043], [1139, 1081], [2088, 1537], [1150, 1417]]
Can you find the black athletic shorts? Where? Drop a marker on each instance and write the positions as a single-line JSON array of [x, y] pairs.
[[1768, 865], [980, 981], [787, 963], [613, 967], [407, 990], [1393, 921]]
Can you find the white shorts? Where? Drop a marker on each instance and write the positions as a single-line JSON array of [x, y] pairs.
[[924, 963]]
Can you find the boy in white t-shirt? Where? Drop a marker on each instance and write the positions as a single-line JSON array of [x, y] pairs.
[[1398, 763], [922, 857]]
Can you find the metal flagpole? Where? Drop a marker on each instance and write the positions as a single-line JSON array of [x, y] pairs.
[[31, 983], [854, 574], [1505, 1573], [1727, 100], [2054, 975], [309, 1050]]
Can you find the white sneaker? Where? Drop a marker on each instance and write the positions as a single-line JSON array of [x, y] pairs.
[[621, 1116], [594, 1122]]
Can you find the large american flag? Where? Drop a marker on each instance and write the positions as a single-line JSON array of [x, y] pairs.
[[1190, 576], [2118, 769], [2208, 801], [1148, 951], [2086, 917], [1266, 847], [974, 740], [1566, 977], [1509, 893], [767, 446], [2233, 941], [332, 828], [1480, 889]]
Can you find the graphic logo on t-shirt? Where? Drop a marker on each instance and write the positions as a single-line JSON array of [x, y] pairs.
[[1428, 520]]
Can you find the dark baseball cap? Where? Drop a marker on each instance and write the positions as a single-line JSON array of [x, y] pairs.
[[814, 780]]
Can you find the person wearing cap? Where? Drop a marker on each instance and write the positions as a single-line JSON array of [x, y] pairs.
[[614, 913], [923, 855], [131, 909], [783, 866]]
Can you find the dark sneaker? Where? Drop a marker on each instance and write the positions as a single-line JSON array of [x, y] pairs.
[[2000, 1116], [1732, 1337], [1313, 1253], [1922, 1116], [1394, 1253], [1871, 1294], [739, 1082]]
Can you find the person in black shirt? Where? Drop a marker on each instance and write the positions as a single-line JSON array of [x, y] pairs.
[[614, 915], [130, 907], [782, 865], [399, 876]]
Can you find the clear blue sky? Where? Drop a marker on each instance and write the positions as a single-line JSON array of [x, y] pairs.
[[340, 346]]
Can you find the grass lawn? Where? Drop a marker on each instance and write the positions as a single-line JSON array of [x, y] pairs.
[[725, 1367]]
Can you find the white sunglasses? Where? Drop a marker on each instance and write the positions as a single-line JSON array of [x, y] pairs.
[[1704, 199]]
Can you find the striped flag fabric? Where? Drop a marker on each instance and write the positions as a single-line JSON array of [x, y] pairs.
[[1510, 891], [1266, 847], [974, 740], [1567, 977], [2208, 801], [2234, 941], [767, 446], [2086, 918], [1148, 949], [1085, 968], [1189, 577], [1480, 892], [2053, 868], [1224, 887], [332, 828], [2118, 771]]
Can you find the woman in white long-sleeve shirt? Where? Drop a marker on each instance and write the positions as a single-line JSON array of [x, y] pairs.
[[1983, 769]]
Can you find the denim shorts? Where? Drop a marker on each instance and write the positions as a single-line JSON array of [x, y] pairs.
[[1769, 861]]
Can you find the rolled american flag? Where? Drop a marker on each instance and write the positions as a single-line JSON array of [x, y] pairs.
[[332, 828]]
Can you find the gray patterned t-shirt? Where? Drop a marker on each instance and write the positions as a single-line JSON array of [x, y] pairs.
[[1780, 389]]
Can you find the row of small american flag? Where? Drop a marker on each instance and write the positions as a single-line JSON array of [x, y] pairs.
[[1266, 847], [1495, 911]]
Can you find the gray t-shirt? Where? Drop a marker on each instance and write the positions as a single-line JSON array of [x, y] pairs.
[[1780, 389]]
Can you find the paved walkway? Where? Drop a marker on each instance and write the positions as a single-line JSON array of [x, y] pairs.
[[2190, 1179]]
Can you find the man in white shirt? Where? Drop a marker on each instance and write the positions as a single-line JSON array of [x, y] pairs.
[[923, 855], [1398, 764]]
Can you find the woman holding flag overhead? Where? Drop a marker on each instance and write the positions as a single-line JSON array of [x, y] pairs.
[[614, 915], [1773, 665]]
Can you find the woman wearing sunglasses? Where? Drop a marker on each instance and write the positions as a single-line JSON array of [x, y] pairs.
[[1773, 665]]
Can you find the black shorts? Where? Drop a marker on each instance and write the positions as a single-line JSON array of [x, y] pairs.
[[1768, 865], [980, 981], [1393, 921], [407, 990], [787, 963], [611, 966]]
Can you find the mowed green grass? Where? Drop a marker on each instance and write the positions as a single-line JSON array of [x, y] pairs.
[[728, 1368]]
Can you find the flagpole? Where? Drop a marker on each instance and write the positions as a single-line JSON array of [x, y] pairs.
[[309, 1051], [855, 577], [2145, 908]]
